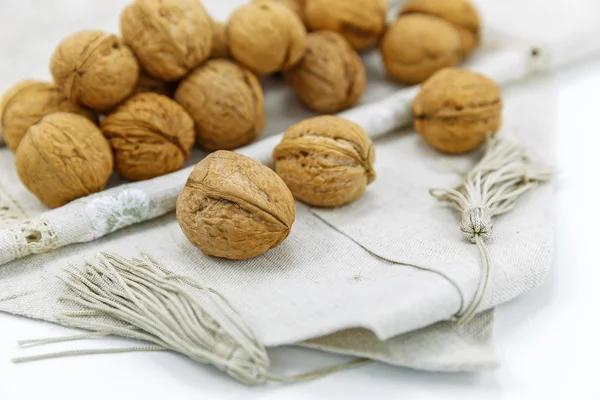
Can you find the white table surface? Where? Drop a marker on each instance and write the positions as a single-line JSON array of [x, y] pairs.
[[548, 340]]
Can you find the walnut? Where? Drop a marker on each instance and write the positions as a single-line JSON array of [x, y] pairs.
[[415, 46], [235, 207], [27, 102], [147, 83], [456, 109], [220, 45], [94, 68], [226, 102], [266, 37], [169, 37], [297, 6], [325, 161], [331, 76], [361, 22], [150, 134], [460, 13], [63, 157]]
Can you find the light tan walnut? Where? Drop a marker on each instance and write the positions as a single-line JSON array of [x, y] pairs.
[[150, 134], [94, 68], [361, 22], [460, 13], [266, 37], [63, 157], [331, 76], [226, 102], [456, 109], [326, 161], [220, 44], [235, 207], [297, 6], [27, 102], [416, 46], [169, 37]]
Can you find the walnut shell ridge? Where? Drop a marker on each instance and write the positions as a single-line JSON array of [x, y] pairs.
[[460, 13], [326, 161], [94, 68], [416, 46], [63, 157], [27, 102], [226, 103], [266, 37], [150, 134], [331, 76], [234, 207], [361, 22], [456, 109], [169, 37]]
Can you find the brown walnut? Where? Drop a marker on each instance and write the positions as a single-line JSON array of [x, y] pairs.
[[226, 103], [297, 6], [147, 83], [235, 207], [266, 37], [456, 109], [94, 68], [27, 102], [331, 76], [220, 44], [169, 37], [416, 46], [63, 157], [460, 13], [361, 22], [150, 134], [326, 161]]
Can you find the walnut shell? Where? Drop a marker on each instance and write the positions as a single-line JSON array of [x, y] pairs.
[[169, 37], [326, 161], [149, 84], [361, 22], [226, 103], [460, 13], [416, 46], [331, 76], [456, 109], [27, 102], [235, 207], [150, 134], [63, 157], [220, 44], [266, 37], [297, 6], [94, 68]]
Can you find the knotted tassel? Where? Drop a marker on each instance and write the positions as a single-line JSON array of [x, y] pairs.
[[492, 188], [140, 299]]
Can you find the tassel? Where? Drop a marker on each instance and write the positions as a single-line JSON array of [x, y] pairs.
[[492, 188], [140, 299]]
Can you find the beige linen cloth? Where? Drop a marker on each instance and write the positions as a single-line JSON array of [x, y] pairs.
[[379, 278]]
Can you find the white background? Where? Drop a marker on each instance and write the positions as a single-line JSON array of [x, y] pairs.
[[548, 341]]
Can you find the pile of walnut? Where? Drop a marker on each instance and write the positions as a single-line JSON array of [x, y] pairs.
[[137, 103]]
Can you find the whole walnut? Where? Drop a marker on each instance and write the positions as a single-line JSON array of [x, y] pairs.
[[7, 96], [63, 157], [361, 22], [416, 46], [266, 37], [94, 68], [235, 207], [460, 13], [147, 83], [27, 102], [456, 109], [297, 6], [150, 134], [169, 37], [331, 76], [220, 44], [226, 103], [326, 161]]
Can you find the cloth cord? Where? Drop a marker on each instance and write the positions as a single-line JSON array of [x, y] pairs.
[[490, 189]]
